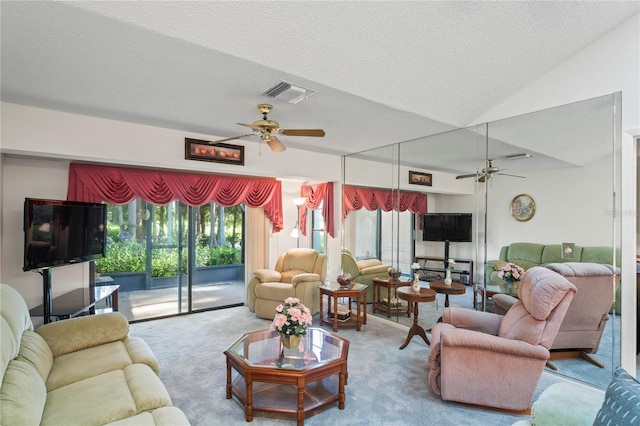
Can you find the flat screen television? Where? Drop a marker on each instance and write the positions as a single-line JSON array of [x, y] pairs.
[[62, 232], [454, 227]]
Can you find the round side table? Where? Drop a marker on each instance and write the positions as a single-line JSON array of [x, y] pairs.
[[415, 297], [442, 288]]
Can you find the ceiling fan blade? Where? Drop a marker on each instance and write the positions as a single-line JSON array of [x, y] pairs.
[[507, 174], [302, 132], [275, 144], [257, 129], [230, 139]]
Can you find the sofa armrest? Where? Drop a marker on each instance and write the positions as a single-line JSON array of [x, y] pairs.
[[75, 334], [468, 319], [306, 277], [495, 265], [470, 339], [375, 269], [267, 275], [502, 303], [141, 353]]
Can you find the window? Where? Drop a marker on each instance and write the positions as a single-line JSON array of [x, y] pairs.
[[374, 237], [317, 230]]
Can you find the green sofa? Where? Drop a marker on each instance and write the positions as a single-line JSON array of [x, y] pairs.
[[81, 371], [528, 255], [364, 271]]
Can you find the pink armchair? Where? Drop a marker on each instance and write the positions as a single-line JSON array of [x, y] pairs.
[[581, 330], [491, 360]]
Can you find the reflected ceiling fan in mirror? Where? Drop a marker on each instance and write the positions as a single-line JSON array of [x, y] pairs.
[[267, 129], [489, 172]]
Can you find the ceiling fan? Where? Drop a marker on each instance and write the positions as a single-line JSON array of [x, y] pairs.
[[266, 129], [487, 173]]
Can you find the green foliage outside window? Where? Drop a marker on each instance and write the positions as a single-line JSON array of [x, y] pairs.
[[125, 256]]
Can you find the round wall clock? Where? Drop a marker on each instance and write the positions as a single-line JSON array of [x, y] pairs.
[[522, 207]]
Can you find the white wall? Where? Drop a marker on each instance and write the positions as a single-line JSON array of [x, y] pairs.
[[572, 205], [38, 144], [36, 178]]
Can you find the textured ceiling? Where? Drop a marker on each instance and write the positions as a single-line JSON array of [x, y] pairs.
[[384, 72]]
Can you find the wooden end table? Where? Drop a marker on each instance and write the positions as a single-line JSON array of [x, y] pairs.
[[354, 291], [442, 288], [415, 297], [392, 289]]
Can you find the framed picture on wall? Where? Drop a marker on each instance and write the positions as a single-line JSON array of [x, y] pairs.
[[417, 178], [195, 149], [522, 207]]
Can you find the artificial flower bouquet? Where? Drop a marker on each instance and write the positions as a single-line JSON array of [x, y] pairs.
[[511, 273], [292, 318]]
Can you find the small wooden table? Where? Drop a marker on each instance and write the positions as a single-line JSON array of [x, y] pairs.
[[392, 289], [354, 291], [415, 297], [442, 288]]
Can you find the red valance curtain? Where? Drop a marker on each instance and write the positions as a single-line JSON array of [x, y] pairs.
[[317, 194], [357, 197], [118, 185]]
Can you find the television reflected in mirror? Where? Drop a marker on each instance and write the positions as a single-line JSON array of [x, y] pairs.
[[453, 227]]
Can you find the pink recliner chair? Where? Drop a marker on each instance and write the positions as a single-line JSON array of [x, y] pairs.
[[491, 360]]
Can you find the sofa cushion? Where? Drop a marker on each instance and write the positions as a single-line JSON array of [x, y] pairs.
[[106, 398], [526, 255], [553, 254], [621, 404], [300, 259], [274, 291], [23, 394], [599, 255], [164, 416], [79, 365]]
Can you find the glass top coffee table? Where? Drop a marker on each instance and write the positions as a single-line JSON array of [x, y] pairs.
[[265, 376]]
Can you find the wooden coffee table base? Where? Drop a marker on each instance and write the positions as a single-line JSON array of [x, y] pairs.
[[415, 297]]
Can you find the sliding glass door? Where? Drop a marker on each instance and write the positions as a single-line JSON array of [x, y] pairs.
[[173, 259]]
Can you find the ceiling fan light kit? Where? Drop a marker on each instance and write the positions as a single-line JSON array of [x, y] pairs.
[[268, 128]]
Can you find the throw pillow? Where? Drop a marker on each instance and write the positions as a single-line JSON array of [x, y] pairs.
[[621, 401]]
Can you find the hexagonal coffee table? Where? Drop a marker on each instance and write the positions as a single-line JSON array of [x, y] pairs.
[[264, 376]]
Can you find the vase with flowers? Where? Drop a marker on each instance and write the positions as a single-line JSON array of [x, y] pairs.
[[511, 274], [291, 320]]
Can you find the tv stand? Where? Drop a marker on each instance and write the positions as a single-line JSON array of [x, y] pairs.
[[464, 267], [73, 303]]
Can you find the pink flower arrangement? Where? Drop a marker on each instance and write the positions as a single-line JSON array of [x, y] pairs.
[[292, 317], [511, 272]]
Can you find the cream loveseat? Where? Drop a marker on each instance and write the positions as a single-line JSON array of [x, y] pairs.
[[82, 371]]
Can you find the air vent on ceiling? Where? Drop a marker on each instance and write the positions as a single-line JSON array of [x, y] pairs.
[[288, 92]]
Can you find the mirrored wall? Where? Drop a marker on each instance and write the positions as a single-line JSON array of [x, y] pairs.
[[563, 163]]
